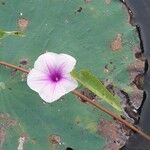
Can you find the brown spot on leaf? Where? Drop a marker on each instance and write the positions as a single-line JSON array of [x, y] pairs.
[[140, 56], [117, 42], [135, 68], [2, 137], [23, 61], [55, 140], [138, 53], [115, 133], [139, 81], [136, 97], [86, 92], [136, 71], [22, 23], [5, 122]]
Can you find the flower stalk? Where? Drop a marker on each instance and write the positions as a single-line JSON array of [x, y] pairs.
[[91, 102]]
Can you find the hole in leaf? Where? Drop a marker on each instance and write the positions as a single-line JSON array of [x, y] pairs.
[[69, 148], [80, 9]]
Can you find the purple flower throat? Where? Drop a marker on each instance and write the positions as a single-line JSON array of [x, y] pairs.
[[55, 76]]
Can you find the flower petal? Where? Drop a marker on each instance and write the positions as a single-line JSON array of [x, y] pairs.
[[46, 62], [68, 83], [52, 92], [36, 80], [66, 62]]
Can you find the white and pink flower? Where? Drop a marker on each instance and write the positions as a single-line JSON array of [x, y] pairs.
[[51, 77]]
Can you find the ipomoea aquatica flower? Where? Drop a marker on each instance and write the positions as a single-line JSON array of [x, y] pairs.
[[51, 77]]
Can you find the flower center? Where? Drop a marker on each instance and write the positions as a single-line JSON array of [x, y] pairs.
[[56, 76]]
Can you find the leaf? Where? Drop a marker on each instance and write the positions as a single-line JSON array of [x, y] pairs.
[[10, 33], [15, 33], [90, 81], [2, 34], [61, 26]]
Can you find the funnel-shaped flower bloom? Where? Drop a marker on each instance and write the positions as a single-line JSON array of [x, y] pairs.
[[51, 77]]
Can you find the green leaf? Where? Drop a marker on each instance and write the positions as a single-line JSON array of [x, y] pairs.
[[2, 34], [62, 27], [15, 33], [90, 81], [10, 33]]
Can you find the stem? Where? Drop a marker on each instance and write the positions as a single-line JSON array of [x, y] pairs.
[[113, 115], [90, 101], [14, 67]]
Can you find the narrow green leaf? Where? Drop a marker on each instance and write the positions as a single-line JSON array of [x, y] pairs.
[[15, 33], [2, 34], [11, 33], [91, 82]]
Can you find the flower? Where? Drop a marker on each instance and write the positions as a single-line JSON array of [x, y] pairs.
[[51, 77]]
